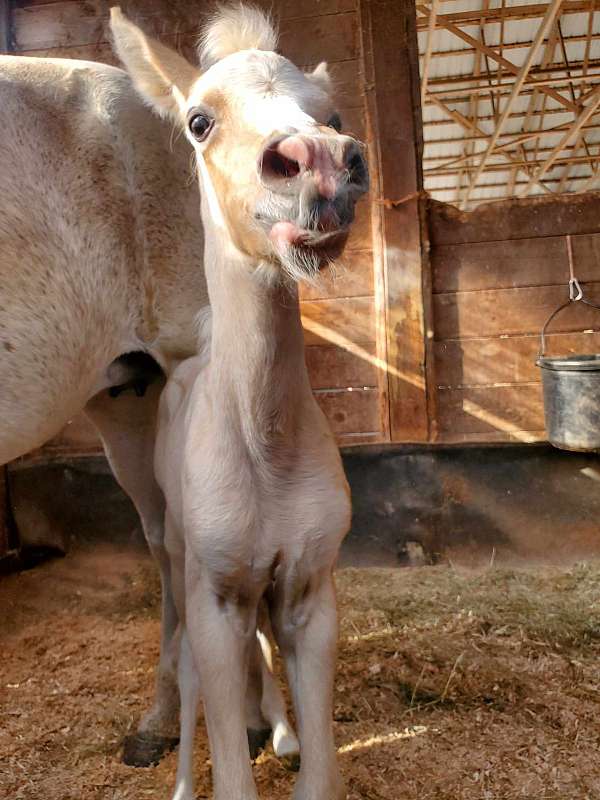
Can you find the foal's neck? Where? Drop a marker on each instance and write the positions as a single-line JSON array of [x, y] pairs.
[[258, 376]]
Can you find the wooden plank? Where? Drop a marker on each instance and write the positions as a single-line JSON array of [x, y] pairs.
[[350, 276], [338, 321], [62, 24], [356, 439], [361, 235], [346, 77], [520, 262], [281, 9], [309, 41], [390, 53], [5, 26], [354, 123], [186, 43], [492, 409], [65, 24], [336, 368], [511, 311], [4, 514], [351, 412], [497, 265], [497, 437], [514, 219], [480, 362]]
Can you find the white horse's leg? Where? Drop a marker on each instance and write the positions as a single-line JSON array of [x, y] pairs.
[[189, 693], [307, 635], [222, 631], [126, 425]]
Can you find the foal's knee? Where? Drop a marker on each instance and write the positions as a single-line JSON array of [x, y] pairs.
[[296, 601], [235, 597]]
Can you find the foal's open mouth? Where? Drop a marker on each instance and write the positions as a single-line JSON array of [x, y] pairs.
[[327, 244]]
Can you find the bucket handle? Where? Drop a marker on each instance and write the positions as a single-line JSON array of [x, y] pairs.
[[575, 296]]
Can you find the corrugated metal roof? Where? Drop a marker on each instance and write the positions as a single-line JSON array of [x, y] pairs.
[[467, 91]]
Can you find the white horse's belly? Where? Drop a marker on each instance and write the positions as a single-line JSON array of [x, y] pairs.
[[87, 270]]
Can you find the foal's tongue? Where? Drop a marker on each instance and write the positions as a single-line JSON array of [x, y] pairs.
[[285, 233]]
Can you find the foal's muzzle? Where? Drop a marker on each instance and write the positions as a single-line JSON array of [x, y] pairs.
[[314, 181], [329, 161]]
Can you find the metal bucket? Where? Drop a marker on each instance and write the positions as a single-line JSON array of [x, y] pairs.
[[572, 400], [571, 384]]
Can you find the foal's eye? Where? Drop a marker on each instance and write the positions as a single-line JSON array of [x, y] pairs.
[[200, 126], [335, 122]]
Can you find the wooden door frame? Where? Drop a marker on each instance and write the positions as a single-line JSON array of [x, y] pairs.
[[402, 285], [5, 26]]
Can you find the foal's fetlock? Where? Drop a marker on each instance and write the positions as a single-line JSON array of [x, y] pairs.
[[145, 749], [158, 731], [311, 789]]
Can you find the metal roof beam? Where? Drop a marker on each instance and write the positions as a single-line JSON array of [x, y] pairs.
[[469, 51], [429, 50], [536, 75], [492, 15], [470, 126], [586, 59], [552, 11], [515, 115], [578, 123], [502, 185], [508, 65], [438, 171]]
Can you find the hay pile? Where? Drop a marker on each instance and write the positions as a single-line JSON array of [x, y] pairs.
[[450, 685]]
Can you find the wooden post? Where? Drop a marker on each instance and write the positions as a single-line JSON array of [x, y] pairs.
[[4, 515], [390, 55], [5, 19]]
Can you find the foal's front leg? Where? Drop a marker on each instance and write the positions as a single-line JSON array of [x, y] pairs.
[[189, 692], [221, 631], [305, 623]]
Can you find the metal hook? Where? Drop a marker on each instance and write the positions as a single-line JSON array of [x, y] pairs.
[[575, 290]]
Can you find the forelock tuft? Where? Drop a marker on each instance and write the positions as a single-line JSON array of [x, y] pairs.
[[236, 27]]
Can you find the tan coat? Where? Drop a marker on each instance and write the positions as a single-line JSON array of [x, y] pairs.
[[100, 244]]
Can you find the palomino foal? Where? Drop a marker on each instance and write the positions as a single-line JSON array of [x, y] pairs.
[[257, 501]]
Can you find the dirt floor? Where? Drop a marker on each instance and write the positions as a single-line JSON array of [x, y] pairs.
[[451, 684]]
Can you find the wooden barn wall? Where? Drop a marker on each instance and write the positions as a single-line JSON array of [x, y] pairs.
[[497, 274], [348, 320], [4, 512]]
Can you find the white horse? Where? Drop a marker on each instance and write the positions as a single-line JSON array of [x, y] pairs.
[[101, 255], [257, 501]]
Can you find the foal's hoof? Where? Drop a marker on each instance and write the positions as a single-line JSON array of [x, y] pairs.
[[291, 762], [146, 749], [257, 740]]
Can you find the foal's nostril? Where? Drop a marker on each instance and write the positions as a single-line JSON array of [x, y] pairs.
[[275, 165], [356, 167]]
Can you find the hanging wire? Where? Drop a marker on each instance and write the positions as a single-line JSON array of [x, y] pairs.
[[575, 296]]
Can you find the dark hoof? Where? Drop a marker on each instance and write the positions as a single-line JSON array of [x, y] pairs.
[[146, 749], [257, 739], [291, 763]]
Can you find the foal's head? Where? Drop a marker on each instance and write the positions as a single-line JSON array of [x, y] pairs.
[[283, 181]]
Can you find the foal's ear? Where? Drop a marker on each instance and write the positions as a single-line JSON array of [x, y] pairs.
[[161, 76], [321, 77]]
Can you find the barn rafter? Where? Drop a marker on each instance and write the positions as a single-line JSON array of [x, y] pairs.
[[510, 97]]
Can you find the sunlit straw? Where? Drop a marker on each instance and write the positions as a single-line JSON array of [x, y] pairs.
[[386, 738]]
